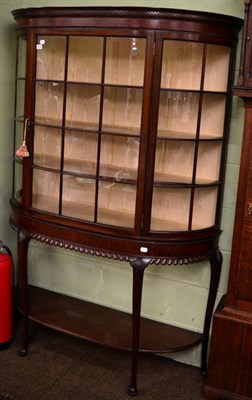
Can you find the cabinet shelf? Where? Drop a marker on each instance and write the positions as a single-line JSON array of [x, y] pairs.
[[84, 211], [104, 325], [122, 130], [120, 173], [84, 167], [180, 179], [184, 135], [88, 126]]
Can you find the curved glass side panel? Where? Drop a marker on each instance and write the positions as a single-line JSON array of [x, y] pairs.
[[217, 67], [204, 207], [19, 113]]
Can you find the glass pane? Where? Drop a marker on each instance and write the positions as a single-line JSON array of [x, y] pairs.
[[51, 57], [208, 163], [125, 59], [45, 191], [204, 209], [78, 198], [217, 67], [170, 209], [174, 161], [20, 85], [18, 171], [122, 110], [21, 72], [178, 114], [19, 134], [83, 106], [85, 59], [213, 116], [119, 157], [47, 147], [182, 65], [49, 103], [116, 204], [80, 152]]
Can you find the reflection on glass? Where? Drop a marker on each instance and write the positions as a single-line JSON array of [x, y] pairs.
[[119, 157], [122, 110], [208, 163], [78, 197], [18, 168], [85, 59], [20, 91], [47, 147], [125, 60], [50, 57], [181, 65], [21, 71], [116, 204], [83, 106], [204, 208], [170, 209], [217, 67], [80, 153], [178, 114], [45, 191], [174, 161], [49, 102], [212, 116]]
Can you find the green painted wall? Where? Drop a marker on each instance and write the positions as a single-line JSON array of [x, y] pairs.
[[174, 295], [7, 72]]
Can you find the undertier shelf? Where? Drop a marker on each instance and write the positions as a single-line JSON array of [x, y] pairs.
[[104, 325]]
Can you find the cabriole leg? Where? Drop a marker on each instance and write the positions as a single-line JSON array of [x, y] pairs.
[[138, 265], [215, 263], [23, 242]]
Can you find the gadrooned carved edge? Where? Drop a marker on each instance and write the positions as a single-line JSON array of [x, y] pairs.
[[114, 256], [124, 12]]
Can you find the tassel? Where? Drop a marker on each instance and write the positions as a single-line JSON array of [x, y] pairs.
[[23, 151]]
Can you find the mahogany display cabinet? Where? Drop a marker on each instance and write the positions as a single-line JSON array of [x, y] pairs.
[[123, 114]]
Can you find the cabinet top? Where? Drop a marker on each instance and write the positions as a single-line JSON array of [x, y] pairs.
[[138, 17]]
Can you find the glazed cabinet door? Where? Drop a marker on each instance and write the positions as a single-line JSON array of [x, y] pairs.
[[188, 134], [88, 126]]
